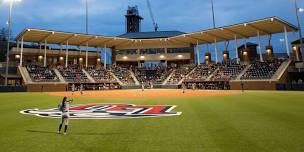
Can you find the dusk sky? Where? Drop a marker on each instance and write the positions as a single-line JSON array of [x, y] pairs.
[[106, 17]]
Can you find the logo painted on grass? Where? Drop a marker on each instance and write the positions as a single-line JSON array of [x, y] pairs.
[[107, 111]]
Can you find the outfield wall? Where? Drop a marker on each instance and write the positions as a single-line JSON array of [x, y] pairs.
[[47, 87], [12, 88], [253, 85], [154, 87]]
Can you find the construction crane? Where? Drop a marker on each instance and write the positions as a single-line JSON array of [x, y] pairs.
[[155, 25]]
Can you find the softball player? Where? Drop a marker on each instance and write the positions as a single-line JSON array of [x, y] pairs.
[[64, 108]]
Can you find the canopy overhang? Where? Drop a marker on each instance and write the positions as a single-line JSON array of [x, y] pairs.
[[267, 26]]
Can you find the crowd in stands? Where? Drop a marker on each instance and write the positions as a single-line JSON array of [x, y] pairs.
[[219, 85], [262, 70], [202, 72], [123, 74], [180, 73], [42, 74], [99, 74], [228, 71], [73, 73], [155, 74]]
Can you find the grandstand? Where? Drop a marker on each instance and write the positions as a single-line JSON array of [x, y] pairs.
[[228, 71], [262, 70], [42, 74], [73, 73], [165, 59]]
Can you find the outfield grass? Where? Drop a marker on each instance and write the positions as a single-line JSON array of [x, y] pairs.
[[251, 122]]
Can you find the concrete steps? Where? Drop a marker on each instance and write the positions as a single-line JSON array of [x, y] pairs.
[[134, 77], [279, 73], [91, 79], [115, 77], [25, 75], [243, 72], [183, 79], [168, 78], [59, 75], [212, 74]]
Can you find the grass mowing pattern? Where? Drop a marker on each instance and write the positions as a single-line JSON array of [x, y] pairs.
[[254, 121]]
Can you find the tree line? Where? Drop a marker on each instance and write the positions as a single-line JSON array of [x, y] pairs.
[[3, 43]]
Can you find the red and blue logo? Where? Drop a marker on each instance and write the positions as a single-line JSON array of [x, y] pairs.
[[107, 111]]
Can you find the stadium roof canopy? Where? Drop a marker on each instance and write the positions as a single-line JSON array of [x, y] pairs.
[[149, 35], [267, 26]]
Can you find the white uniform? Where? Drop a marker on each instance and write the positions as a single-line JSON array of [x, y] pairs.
[[73, 88], [81, 89], [65, 113], [184, 88]]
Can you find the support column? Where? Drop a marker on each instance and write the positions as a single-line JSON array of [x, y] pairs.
[[138, 53], [236, 49], [17, 49], [286, 42], [87, 47], [245, 57], [198, 54], [260, 46], [60, 58], [44, 58], [98, 55], [105, 57], [215, 50], [21, 54], [60, 49], [67, 54]]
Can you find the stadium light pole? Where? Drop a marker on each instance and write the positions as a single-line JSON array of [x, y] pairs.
[[282, 42], [213, 17], [11, 3], [297, 9], [87, 17]]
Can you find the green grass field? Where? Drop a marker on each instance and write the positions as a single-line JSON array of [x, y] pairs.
[[251, 122]]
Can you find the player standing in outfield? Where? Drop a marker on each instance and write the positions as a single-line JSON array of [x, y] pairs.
[[193, 86], [142, 86], [64, 107], [73, 88], [242, 86], [81, 88], [184, 87]]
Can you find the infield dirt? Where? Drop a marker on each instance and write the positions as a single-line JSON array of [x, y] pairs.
[[154, 93]]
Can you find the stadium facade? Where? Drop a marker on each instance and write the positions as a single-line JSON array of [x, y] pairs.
[[135, 54]]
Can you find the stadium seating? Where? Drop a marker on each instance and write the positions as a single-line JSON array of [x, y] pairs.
[[180, 73], [123, 74], [201, 72], [41, 74], [100, 74], [204, 76], [73, 73], [262, 70], [228, 71], [155, 75]]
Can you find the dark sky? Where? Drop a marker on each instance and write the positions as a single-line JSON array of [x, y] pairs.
[[106, 17]]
